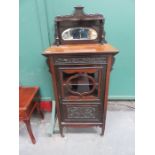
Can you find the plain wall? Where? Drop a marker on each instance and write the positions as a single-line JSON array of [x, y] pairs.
[[37, 33]]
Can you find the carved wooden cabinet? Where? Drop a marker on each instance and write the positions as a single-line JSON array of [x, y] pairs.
[[80, 71]]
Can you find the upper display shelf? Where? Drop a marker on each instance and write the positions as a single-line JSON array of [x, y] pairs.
[[79, 28]]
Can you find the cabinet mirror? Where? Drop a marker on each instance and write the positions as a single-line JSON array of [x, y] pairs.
[[79, 33]]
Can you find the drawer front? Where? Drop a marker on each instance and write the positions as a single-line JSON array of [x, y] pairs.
[[82, 113], [78, 59]]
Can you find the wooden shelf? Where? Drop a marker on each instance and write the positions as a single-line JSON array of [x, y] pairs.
[[81, 84]]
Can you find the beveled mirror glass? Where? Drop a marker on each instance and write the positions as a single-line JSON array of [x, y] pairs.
[[79, 33]]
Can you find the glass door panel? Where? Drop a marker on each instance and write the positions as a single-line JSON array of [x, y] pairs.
[[83, 83]]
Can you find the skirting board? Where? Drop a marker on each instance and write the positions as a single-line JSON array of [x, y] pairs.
[[117, 98], [112, 105]]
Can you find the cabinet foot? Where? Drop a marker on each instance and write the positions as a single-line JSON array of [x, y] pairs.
[[102, 130], [61, 132], [62, 135]]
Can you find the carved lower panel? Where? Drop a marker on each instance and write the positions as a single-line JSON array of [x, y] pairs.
[[81, 112], [81, 60]]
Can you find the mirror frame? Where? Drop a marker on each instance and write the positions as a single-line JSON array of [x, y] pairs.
[[79, 19]]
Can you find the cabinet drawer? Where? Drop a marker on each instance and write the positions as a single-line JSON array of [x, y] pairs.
[[79, 59], [82, 113]]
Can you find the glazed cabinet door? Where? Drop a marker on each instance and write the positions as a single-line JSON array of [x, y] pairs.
[[81, 92], [81, 83]]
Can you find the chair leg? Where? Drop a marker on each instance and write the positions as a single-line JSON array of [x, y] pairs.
[[38, 105], [39, 111], [28, 126]]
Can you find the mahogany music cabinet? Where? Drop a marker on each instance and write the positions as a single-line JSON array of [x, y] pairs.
[[80, 62]]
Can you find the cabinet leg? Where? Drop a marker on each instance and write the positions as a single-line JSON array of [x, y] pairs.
[[102, 129], [61, 131], [28, 126]]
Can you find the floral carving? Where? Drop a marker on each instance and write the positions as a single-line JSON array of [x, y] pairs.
[[81, 60], [81, 112]]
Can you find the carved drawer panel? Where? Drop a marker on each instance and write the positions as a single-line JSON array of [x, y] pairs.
[[82, 113], [76, 60]]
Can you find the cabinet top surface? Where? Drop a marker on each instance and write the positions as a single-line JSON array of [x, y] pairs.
[[80, 48]]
